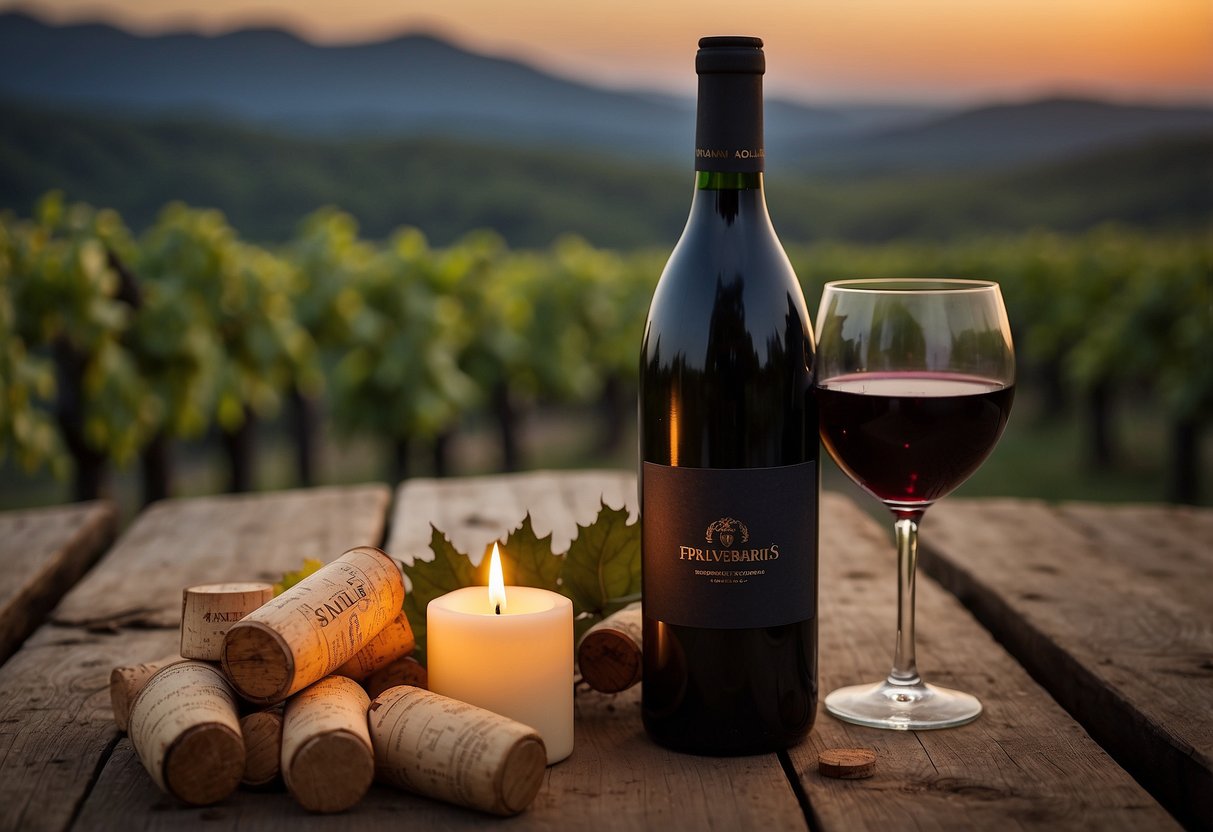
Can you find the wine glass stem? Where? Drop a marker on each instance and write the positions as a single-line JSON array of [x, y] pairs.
[[905, 668]]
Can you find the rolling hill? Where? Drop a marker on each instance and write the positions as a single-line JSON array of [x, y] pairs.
[[266, 182]]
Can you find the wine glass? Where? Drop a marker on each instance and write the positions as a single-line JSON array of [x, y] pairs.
[[914, 383]]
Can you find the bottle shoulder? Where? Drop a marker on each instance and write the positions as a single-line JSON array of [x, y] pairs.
[[751, 286]]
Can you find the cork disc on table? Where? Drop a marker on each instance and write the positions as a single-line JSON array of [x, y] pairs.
[[847, 763], [522, 775], [331, 772], [258, 662], [204, 765], [609, 661]]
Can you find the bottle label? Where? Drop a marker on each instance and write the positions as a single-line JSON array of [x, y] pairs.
[[730, 548]]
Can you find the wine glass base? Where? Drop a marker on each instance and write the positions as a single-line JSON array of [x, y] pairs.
[[903, 707]]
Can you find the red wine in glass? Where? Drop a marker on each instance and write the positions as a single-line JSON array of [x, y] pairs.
[[910, 437]]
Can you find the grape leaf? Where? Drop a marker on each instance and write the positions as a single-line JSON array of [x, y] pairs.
[[289, 579], [449, 570], [602, 568], [527, 560]]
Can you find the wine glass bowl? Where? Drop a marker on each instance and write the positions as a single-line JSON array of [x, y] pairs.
[[915, 380]]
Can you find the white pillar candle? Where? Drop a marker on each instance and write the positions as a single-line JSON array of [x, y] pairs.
[[517, 662]]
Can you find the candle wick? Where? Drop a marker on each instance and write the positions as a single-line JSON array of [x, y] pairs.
[[499, 609]]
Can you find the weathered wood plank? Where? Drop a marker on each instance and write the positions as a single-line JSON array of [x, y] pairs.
[[1171, 546], [1111, 609], [177, 543], [1024, 764], [43, 552], [56, 728]]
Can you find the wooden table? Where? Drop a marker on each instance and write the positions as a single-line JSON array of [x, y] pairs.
[[1054, 619]]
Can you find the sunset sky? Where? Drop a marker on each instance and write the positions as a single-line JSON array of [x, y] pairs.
[[817, 50]]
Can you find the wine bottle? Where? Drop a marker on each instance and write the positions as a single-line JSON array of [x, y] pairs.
[[728, 451]]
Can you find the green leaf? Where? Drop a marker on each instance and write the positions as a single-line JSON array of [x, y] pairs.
[[528, 560], [449, 570], [602, 566]]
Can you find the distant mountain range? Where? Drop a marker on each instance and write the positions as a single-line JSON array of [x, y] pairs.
[[414, 83], [1008, 135], [421, 85]]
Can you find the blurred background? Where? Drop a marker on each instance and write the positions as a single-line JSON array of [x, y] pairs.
[[251, 246]]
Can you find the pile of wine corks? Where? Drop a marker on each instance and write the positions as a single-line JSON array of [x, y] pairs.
[[316, 689]]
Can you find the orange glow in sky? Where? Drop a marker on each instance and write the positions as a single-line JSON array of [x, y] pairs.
[[817, 50]]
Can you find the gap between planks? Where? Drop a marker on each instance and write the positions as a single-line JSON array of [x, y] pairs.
[[802, 797]]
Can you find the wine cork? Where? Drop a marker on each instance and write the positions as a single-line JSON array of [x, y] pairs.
[[609, 654], [327, 760], [186, 731], [394, 641], [453, 751], [262, 732], [208, 612], [847, 763], [314, 627], [127, 680], [403, 671]]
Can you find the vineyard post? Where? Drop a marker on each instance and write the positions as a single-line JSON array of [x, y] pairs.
[[1101, 447], [508, 419], [89, 463], [305, 424], [1185, 460], [239, 445]]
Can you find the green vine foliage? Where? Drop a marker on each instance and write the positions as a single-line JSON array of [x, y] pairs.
[[493, 297], [27, 382], [399, 376], [1155, 329], [329, 257], [65, 291], [220, 324], [407, 341]]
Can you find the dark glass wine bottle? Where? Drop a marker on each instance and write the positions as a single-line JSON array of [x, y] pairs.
[[728, 451]]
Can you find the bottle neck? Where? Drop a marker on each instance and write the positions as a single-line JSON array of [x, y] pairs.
[[715, 180], [728, 124]]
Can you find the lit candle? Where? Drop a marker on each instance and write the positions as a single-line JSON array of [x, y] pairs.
[[508, 650]]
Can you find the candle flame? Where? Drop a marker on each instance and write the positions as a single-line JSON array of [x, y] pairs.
[[496, 582]]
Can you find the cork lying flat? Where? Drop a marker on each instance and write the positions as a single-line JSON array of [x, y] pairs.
[[847, 763], [422, 743]]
